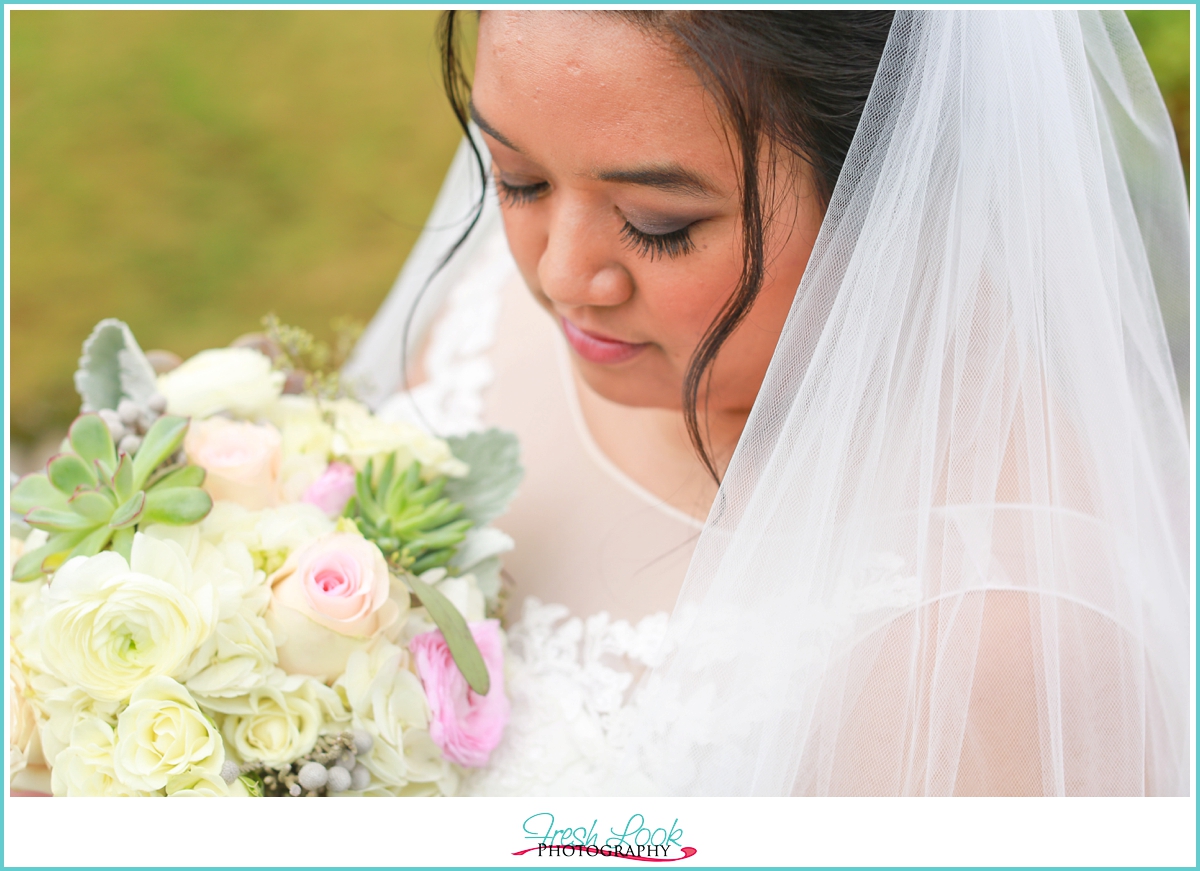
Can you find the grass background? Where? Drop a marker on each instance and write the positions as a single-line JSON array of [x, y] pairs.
[[190, 171]]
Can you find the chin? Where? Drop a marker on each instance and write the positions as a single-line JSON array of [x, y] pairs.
[[633, 385]]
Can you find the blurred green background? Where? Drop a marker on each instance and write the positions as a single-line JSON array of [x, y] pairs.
[[190, 171]]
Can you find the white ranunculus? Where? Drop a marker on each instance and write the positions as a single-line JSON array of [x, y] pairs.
[[108, 625], [270, 535], [63, 708], [85, 767], [278, 722], [237, 380], [387, 701], [203, 784], [359, 436], [162, 734]]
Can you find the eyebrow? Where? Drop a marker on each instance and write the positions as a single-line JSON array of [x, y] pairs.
[[666, 177], [489, 129]]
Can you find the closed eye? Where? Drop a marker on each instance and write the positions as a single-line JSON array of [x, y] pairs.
[[519, 195], [676, 243]]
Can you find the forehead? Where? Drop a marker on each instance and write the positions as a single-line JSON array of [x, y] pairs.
[[587, 89]]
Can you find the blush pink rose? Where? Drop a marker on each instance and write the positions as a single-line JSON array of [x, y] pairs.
[[465, 725], [241, 460], [332, 490], [327, 601]]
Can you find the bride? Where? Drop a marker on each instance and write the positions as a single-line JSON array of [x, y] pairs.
[[855, 459]]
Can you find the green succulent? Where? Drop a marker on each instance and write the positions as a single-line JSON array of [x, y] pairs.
[[92, 497], [415, 527]]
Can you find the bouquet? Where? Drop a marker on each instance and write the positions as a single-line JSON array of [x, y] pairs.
[[235, 579]]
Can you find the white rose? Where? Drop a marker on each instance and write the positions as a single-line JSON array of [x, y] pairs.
[[387, 700], [23, 745], [163, 734], [359, 436], [307, 443], [202, 784], [278, 722], [328, 600], [237, 380], [85, 767], [109, 625]]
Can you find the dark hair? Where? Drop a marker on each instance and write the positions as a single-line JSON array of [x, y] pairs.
[[796, 81]]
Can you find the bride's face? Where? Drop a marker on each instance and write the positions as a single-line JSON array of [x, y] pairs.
[[619, 192]]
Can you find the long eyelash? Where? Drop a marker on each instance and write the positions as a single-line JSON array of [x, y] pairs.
[[519, 195], [677, 243]]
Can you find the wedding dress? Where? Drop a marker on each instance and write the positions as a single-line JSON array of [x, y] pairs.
[[950, 554]]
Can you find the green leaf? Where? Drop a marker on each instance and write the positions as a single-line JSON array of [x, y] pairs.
[[48, 557], [432, 560], [94, 543], [94, 506], [385, 477], [68, 472], [29, 566], [90, 438], [177, 506], [122, 542], [458, 637], [366, 502], [53, 520], [494, 458], [122, 479], [188, 476], [36, 491], [163, 439], [129, 513], [438, 514]]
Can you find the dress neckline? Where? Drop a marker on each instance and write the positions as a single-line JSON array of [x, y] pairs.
[[596, 453]]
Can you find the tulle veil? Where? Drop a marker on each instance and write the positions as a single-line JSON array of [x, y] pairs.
[[951, 552]]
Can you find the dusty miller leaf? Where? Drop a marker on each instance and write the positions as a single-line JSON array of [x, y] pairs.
[[494, 458], [112, 367]]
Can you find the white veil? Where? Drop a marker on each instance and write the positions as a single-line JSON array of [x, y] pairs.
[[950, 554]]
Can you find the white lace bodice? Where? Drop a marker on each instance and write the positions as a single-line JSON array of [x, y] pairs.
[[569, 680]]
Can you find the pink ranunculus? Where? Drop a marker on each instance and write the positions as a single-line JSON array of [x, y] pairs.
[[465, 725], [332, 490]]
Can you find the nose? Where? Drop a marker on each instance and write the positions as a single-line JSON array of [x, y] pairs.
[[577, 267]]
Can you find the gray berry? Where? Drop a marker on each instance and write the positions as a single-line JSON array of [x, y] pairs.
[[360, 778], [295, 789], [339, 779], [128, 411], [346, 760], [363, 742], [230, 771], [129, 444], [313, 775], [157, 403]]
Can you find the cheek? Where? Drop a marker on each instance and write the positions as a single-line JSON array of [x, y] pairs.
[[682, 298], [526, 232]]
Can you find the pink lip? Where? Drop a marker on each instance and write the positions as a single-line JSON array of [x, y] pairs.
[[597, 349]]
